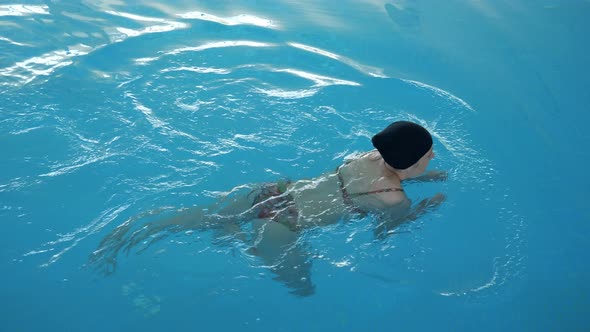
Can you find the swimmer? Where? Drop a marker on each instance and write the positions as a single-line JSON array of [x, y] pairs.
[[368, 183]]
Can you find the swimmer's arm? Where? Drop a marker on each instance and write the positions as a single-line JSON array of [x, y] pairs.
[[403, 212], [430, 176]]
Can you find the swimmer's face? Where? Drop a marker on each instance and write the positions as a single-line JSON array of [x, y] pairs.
[[420, 167]]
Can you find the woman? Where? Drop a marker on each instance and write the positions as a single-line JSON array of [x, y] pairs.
[[370, 183]]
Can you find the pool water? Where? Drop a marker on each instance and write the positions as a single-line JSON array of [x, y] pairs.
[[110, 109]]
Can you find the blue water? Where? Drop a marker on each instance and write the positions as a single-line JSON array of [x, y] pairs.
[[110, 109]]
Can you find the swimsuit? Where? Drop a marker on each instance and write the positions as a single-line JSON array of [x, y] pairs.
[[347, 197], [273, 202]]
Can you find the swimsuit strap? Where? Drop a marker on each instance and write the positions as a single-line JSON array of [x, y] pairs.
[[378, 191]]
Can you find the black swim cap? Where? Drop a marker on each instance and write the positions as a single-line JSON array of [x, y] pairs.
[[402, 143]]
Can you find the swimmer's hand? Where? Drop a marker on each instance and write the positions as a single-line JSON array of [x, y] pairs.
[[426, 205], [431, 176], [390, 221], [437, 199]]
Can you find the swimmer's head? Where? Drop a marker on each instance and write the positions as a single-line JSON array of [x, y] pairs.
[[402, 144]]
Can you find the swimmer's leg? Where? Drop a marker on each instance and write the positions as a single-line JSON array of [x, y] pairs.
[[223, 216], [280, 249], [225, 213]]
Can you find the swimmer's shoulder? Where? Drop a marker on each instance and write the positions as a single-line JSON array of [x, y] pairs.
[[387, 192], [361, 161]]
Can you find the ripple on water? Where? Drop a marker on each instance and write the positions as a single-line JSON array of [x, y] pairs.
[[175, 117]]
